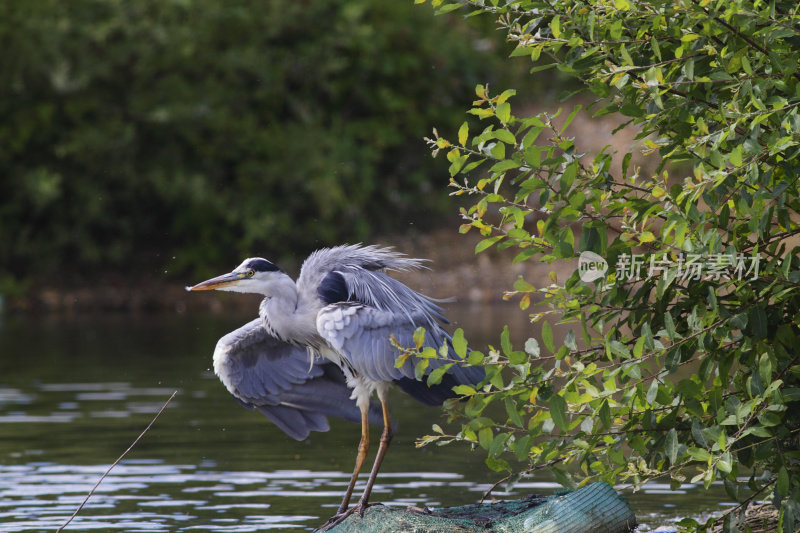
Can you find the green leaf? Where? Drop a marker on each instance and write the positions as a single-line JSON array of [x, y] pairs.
[[646, 236], [735, 157], [731, 488], [458, 164], [531, 136], [558, 411], [498, 465], [656, 48], [570, 118], [503, 166], [522, 447], [698, 435], [505, 341], [419, 337], [420, 367], [464, 390], [673, 359], [459, 343], [619, 349], [487, 243], [638, 348], [428, 352], [739, 321], [463, 134], [563, 477], [769, 419], [626, 56], [605, 414], [570, 341], [715, 158], [631, 109], [758, 321], [652, 392], [555, 26], [498, 444], [475, 357], [496, 379], [481, 112], [746, 65], [647, 334], [547, 336], [671, 446], [698, 454], [485, 438], [447, 8], [568, 177], [505, 95], [765, 368], [498, 151], [669, 325], [533, 156], [532, 347], [435, 376], [503, 112], [782, 484], [505, 136], [513, 414], [539, 68], [520, 285], [517, 357], [401, 359]]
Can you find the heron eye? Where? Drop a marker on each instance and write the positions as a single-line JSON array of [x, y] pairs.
[[250, 273]]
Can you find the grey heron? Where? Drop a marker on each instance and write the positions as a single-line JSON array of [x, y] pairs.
[[321, 345]]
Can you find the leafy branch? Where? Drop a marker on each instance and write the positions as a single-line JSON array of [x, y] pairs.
[[637, 379]]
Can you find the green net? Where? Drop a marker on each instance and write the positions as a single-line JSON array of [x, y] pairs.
[[595, 508]]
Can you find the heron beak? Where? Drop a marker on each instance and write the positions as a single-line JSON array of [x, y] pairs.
[[218, 282]]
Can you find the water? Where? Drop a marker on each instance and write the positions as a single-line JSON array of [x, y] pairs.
[[74, 394]]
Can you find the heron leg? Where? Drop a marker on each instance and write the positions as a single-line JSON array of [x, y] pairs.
[[363, 448], [386, 438]]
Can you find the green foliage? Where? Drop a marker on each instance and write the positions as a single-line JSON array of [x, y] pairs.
[[666, 369], [157, 134]]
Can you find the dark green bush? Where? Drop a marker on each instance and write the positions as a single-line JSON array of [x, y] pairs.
[[139, 136]]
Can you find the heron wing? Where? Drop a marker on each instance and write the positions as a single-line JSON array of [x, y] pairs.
[[362, 334], [353, 258], [275, 377], [357, 273]]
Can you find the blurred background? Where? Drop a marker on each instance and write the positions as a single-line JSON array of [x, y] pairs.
[[153, 141]]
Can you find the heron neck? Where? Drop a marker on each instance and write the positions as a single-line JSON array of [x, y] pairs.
[[281, 313]]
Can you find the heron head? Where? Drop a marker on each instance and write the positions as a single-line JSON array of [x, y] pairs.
[[254, 275]]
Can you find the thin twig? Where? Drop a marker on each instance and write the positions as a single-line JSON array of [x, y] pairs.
[[534, 468], [86, 499]]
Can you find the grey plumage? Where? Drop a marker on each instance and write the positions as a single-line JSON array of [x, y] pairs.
[[376, 308], [328, 333], [275, 377], [362, 333], [362, 269]]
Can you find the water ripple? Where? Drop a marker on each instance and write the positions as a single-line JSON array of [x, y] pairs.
[[136, 496]]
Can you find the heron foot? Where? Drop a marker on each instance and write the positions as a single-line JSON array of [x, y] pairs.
[[340, 517], [336, 519]]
